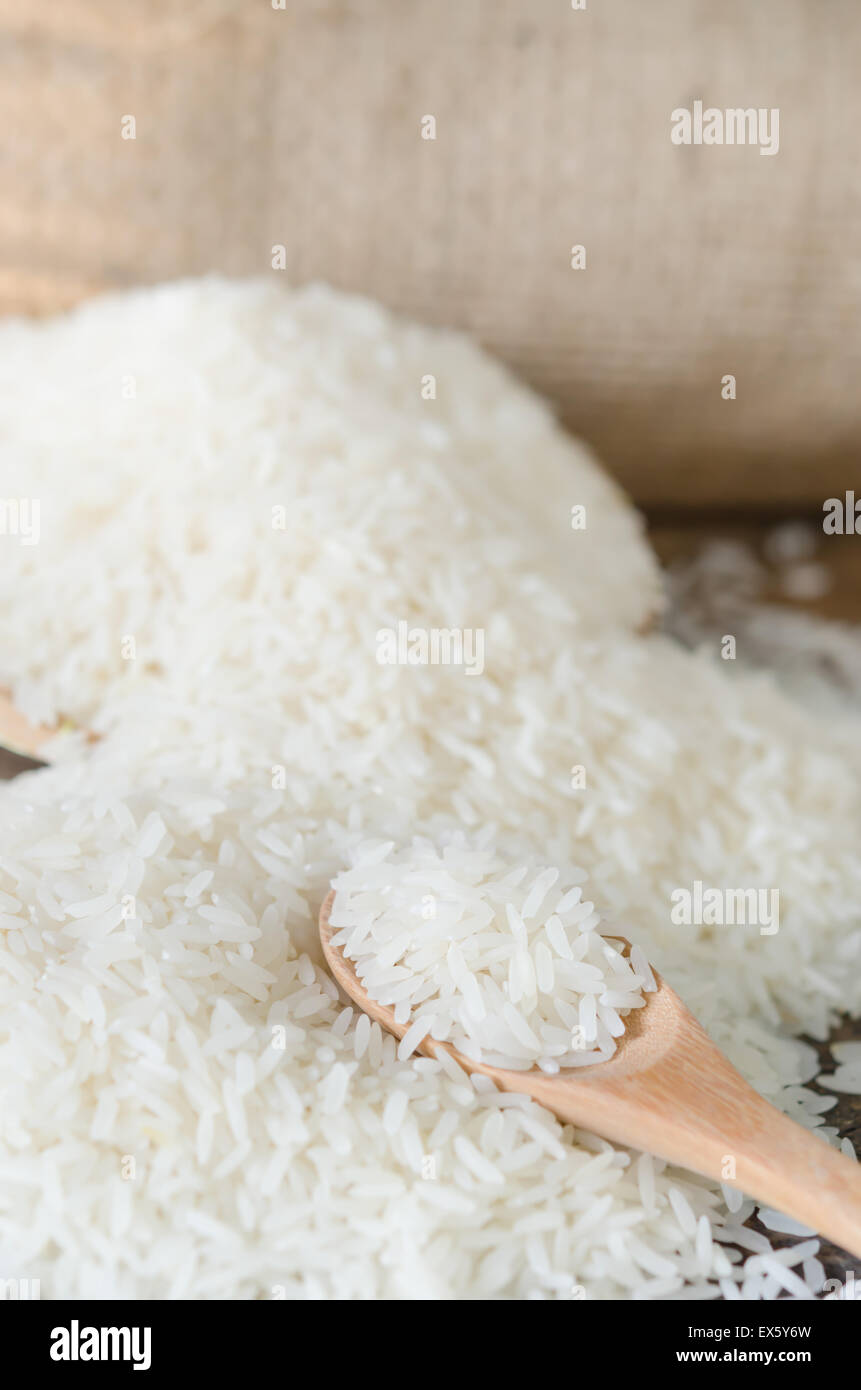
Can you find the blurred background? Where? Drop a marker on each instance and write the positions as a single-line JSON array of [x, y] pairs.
[[143, 140], [304, 127]]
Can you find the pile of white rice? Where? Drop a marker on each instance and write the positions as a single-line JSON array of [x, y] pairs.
[[235, 478], [239, 489], [505, 964]]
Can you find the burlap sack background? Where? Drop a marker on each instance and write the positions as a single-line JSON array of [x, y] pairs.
[[257, 126]]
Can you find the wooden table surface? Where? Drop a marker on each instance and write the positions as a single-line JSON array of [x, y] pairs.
[[681, 537]]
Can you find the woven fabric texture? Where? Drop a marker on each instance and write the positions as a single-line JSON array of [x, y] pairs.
[[257, 127]]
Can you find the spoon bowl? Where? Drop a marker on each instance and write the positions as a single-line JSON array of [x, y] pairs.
[[668, 1089]]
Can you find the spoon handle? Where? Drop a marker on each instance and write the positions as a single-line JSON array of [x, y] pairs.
[[17, 733], [669, 1090], [689, 1105]]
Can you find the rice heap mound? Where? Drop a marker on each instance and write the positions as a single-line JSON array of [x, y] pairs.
[[469, 951], [233, 477], [240, 490]]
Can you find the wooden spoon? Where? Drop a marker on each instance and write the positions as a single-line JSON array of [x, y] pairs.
[[669, 1090], [17, 733]]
